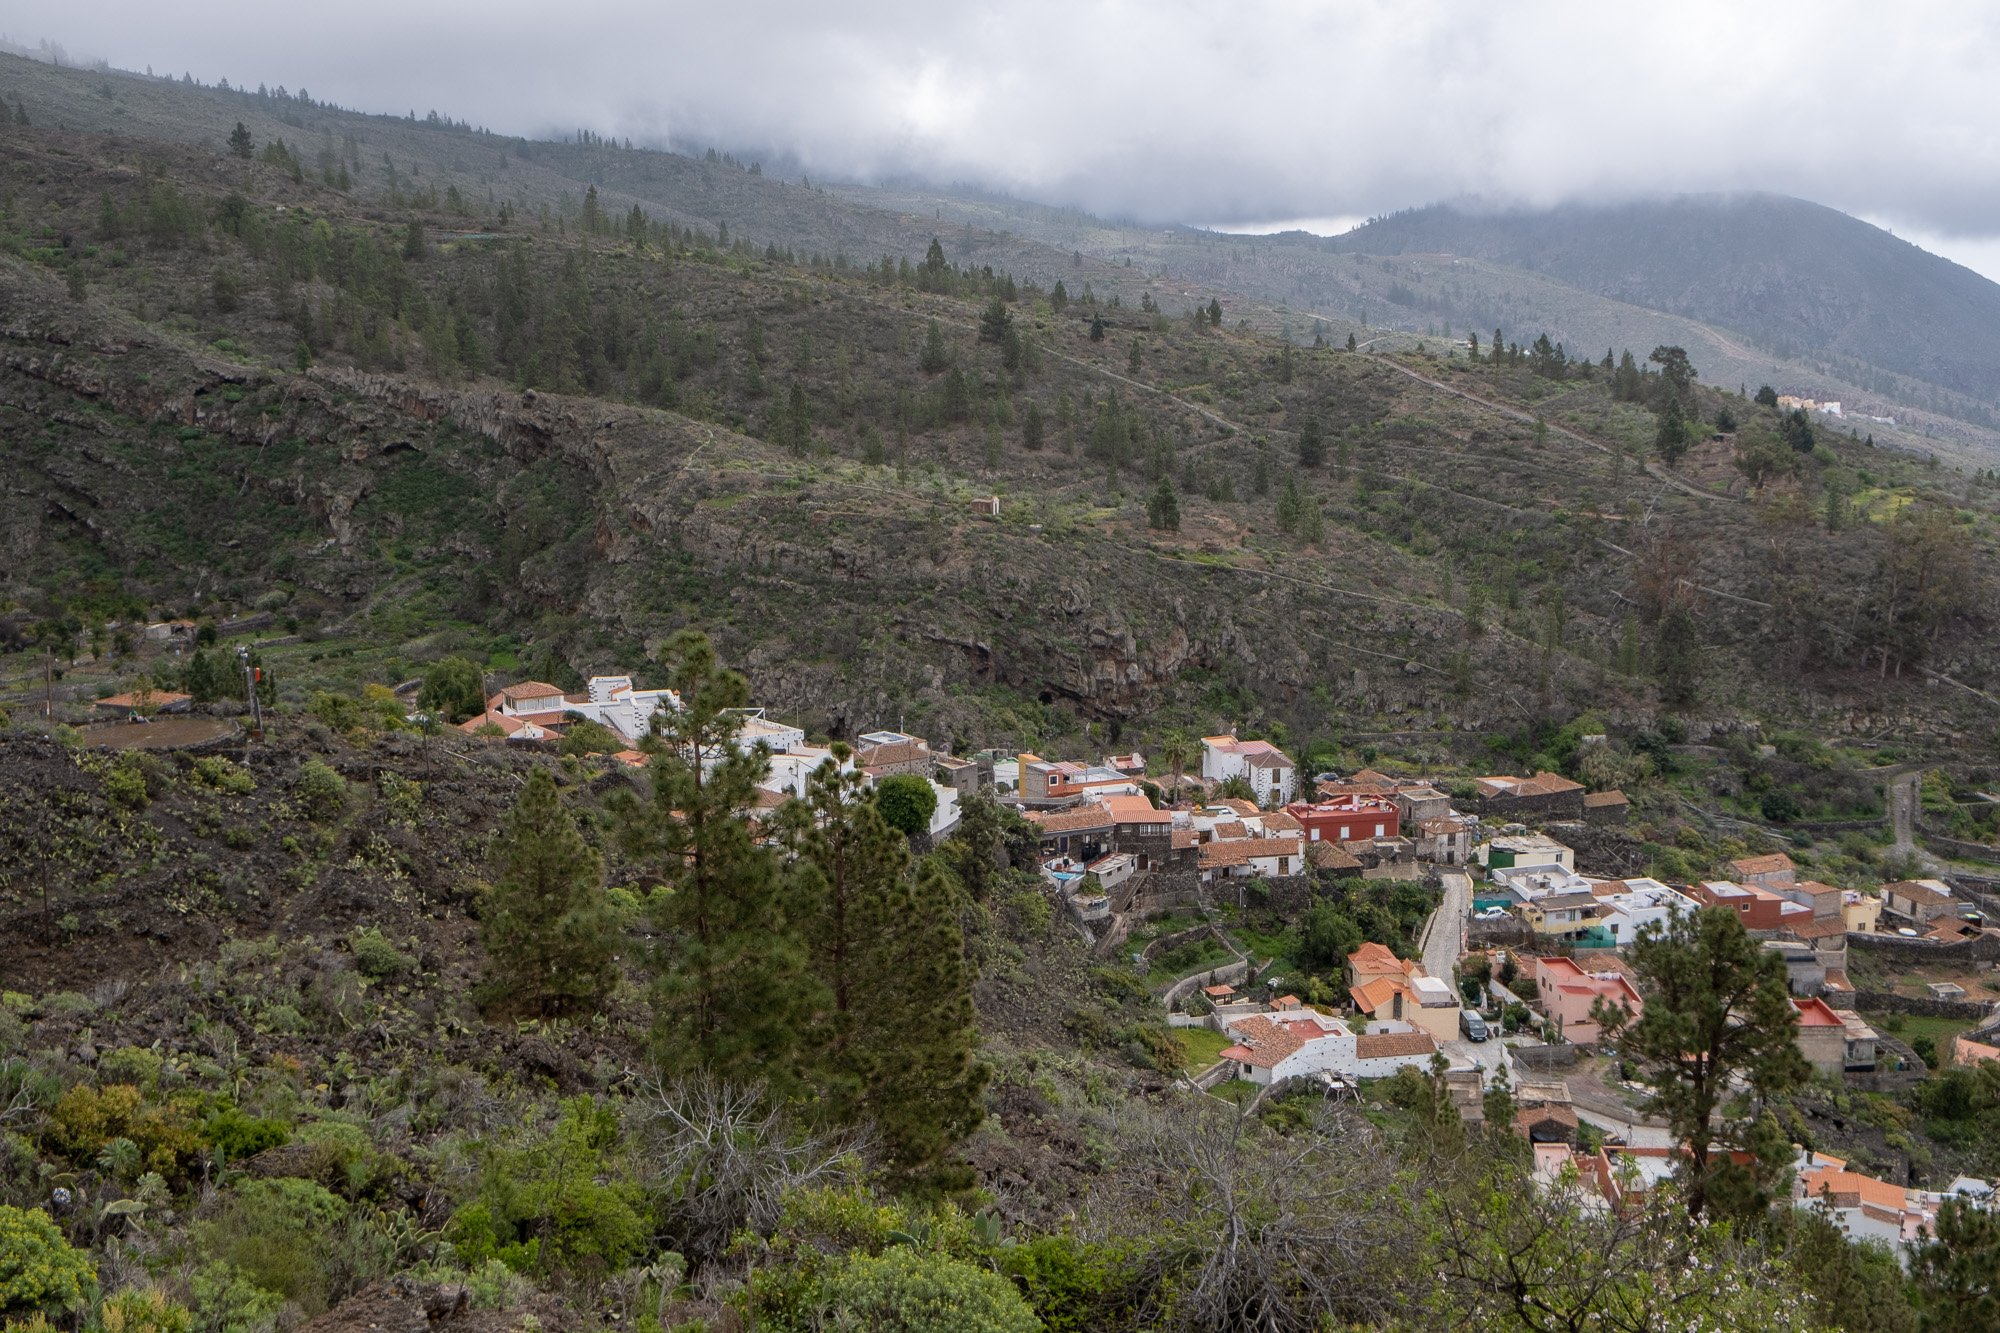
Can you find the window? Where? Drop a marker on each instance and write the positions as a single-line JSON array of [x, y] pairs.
[[1284, 865], [1345, 833], [1315, 833], [1378, 830]]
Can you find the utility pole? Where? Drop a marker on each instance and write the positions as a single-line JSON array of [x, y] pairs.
[[250, 675], [49, 683]]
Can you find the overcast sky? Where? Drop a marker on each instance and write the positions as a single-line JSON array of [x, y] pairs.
[[1249, 113]]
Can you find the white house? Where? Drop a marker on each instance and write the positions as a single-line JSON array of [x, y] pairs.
[[1263, 764], [1635, 903], [1276, 1046]]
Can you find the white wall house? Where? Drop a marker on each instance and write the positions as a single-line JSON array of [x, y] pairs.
[[1264, 765]]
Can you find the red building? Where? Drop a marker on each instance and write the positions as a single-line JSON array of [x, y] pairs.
[[1346, 818], [1757, 908]]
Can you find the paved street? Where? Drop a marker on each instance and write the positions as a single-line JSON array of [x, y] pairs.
[[1445, 931]]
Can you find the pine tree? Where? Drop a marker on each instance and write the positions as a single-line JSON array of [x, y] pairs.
[[895, 1042], [1058, 297], [240, 142], [1032, 427], [798, 419], [1499, 348], [548, 931], [1163, 510], [1473, 338], [1291, 503], [1350, 341], [1133, 363], [1670, 437], [996, 323], [934, 357], [1214, 312], [1312, 443], [1097, 328], [731, 989]]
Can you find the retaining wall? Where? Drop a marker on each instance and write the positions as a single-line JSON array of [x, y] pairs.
[[1920, 952], [1875, 1001], [1544, 1057], [1229, 973]]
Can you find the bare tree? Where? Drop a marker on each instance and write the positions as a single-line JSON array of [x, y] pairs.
[[721, 1156], [1267, 1233]]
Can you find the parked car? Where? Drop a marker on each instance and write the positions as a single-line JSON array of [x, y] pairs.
[[1472, 1025]]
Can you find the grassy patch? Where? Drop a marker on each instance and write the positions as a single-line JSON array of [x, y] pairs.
[[1203, 1046], [1236, 1090]]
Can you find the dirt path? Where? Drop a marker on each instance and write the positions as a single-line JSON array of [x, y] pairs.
[[1516, 414]]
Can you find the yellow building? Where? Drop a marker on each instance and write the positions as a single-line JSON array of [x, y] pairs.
[[1861, 911]]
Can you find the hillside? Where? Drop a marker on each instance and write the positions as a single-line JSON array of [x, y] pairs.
[[1798, 280], [719, 438], [367, 1023]]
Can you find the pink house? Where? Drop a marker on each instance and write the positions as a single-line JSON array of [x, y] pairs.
[[1568, 994]]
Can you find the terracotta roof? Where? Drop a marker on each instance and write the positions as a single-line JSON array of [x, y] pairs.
[[1917, 892], [1380, 994], [1240, 806], [894, 752], [1231, 829], [1598, 800], [1266, 1042], [1850, 1189], [1133, 810], [1279, 822], [1272, 760], [529, 689], [1443, 826], [1546, 783], [1329, 856], [1241, 851], [508, 725], [1762, 865], [1373, 957], [1528, 1116], [1184, 837], [1383, 1044], [158, 699], [1816, 1013], [632, 758], [1094, 815], [1819, 927]]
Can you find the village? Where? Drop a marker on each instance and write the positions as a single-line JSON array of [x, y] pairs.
[[1520, 958]]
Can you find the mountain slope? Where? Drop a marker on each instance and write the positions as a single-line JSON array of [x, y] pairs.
[[1798, 278]]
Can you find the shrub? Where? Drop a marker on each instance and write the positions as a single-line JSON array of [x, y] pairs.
[[39, 1270], [906, 802], [125, 788], [909, 1291], [236, 1135], [131, 1064], [226, 1301], [276, 1234], [375, 957], [586, 737], [87, 1119], [321, 791], [1068, 1283], [1032, 911], [218, 772], [147, 1311]]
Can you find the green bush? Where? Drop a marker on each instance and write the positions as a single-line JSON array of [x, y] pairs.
[[906, 802], [276, 1234], [583, 736], [375, 957], [39, 1270], [236, 1135], [909, 1291], [226, 1301], [557, 1203], [321, 791], [144, 1311], [218, 772], [130, 1064], [1032, 911], [1070, 1285], [125, 788]]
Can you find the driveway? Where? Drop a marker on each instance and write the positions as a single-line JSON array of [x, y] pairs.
[[1488, 1055]]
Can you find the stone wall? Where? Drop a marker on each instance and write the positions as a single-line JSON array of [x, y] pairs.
[[1875, 1001], [1224, 973], [1545, 1057], [1601, 849], [1524, 809], [1922, 952]]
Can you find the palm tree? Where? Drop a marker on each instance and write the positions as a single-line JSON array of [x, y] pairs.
[[1174, 747]]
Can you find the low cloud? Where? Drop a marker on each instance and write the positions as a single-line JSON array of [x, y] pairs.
[[1252, 112]]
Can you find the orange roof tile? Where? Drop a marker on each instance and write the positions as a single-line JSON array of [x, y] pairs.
[[1373, 957], [1382, 1044]]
